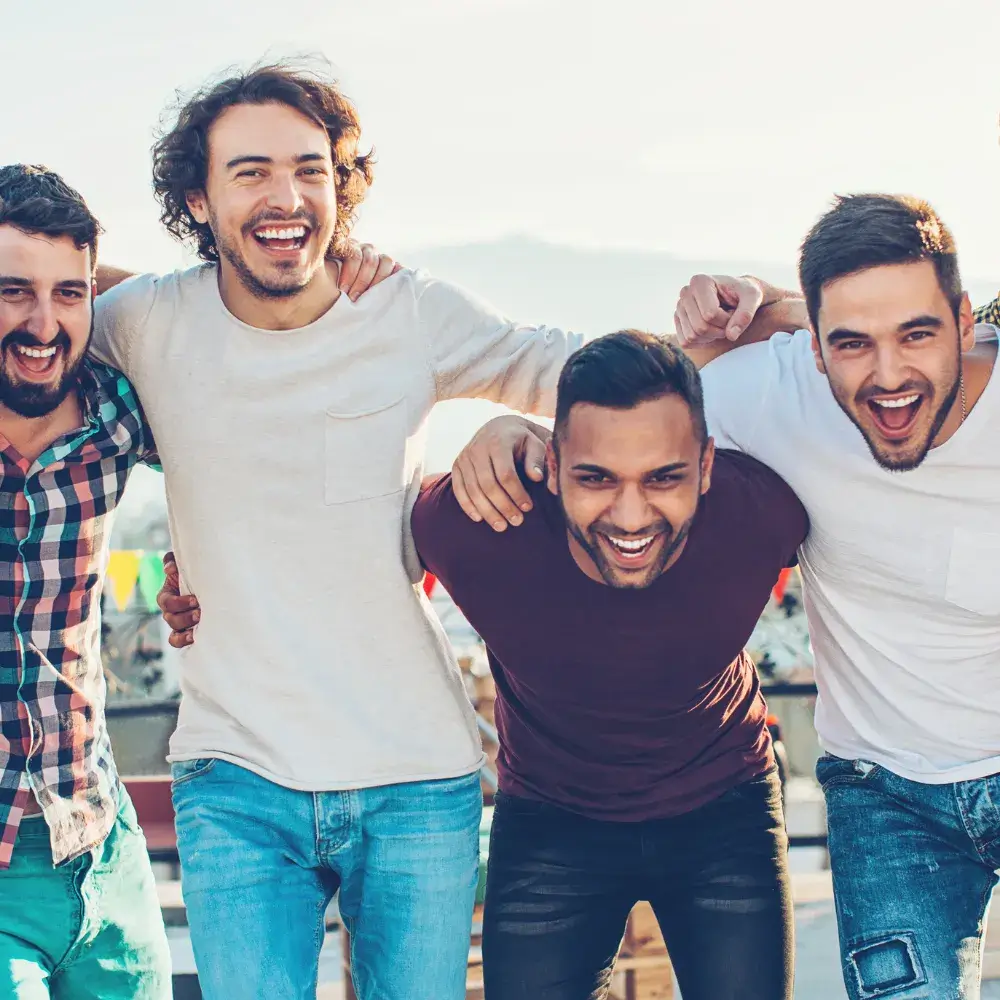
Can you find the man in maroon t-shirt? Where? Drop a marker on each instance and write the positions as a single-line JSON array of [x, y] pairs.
[[634, 761]]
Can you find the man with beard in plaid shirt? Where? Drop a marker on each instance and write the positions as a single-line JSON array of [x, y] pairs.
[[79, 916]]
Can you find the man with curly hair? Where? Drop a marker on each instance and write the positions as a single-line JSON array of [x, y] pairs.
[[325, 739], [79, 917]]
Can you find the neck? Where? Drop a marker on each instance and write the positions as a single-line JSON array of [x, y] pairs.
[[974, 374], [31, 436], [289, 313]]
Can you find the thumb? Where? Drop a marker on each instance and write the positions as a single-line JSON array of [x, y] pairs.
[[748, 302], [534, 459]]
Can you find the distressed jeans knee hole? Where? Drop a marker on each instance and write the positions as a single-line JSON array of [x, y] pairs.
[[887, 966]]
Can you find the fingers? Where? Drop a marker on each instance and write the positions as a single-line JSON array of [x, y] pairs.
[[350, 265], [477, 505], [534, 458], [749, 298], [181, 612], [366, 272], [699, 317], [386, 268], [462, 494]]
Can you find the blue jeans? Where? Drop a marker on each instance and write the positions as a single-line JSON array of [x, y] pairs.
[[913, 869], [260, 864]]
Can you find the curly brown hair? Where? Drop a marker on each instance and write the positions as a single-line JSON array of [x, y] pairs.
[[180, 156]]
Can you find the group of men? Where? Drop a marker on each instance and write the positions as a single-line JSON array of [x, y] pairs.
[[325, 742]]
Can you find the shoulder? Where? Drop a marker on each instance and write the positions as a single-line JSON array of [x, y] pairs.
[[114, 401], [753, 498], [447, 539]]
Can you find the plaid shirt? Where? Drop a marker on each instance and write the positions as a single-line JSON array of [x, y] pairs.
[[989, 313], [55, 524]]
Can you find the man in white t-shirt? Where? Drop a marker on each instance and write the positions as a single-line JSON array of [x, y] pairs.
[[885, 423], [331, 744]]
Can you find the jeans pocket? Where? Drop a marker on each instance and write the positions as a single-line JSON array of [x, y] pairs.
[[182, 771], [832, 771]]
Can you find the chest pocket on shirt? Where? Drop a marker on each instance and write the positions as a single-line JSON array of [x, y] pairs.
[[365, 453], [974, 571]]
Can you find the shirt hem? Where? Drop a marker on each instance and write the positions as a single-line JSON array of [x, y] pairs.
[[368, 781], [962, 772]]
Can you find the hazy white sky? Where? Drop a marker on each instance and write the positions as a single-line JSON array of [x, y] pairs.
[[703, 127]]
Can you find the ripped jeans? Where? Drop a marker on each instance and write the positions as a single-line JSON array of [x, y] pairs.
[[559, 888], [913, 869]]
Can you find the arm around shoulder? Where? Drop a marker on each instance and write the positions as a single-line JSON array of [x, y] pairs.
[[120, 316]]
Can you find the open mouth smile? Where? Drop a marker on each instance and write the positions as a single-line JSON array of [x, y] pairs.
[[282, 239], [34, 363], [895, 416], [629, 552]]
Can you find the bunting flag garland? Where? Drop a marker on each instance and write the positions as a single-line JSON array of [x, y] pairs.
[[123, 571], [151, 577], [130, 567]]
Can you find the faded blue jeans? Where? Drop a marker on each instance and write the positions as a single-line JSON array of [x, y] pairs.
[[260, 863], [913, 869]]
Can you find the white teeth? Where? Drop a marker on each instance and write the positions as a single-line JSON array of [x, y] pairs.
[[36, 352], [632, 545], [893, 404], [296, 233]]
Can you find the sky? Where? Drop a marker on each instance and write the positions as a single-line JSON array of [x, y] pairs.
[[706, 128]]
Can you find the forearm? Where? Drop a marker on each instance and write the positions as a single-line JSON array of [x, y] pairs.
[[107, 277]]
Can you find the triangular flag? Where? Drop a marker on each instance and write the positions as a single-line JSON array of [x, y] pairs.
[[123, 569], [151, 577]]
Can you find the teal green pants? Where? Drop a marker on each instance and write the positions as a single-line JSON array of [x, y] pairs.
[[88, 930]]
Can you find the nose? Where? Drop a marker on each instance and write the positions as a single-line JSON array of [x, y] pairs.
[[631, 511], [890, 367], [284, 195], [41, 322]]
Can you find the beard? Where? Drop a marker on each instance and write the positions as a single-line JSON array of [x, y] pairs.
[[263, 288], [588, 539], [30, 399], [918, 452]]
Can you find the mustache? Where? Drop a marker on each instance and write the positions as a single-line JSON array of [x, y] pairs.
[[303, 218], [24, 338], [661, 527], [910, 385]]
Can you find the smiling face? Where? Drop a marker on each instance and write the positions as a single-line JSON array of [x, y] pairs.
[[270, 198], [629, 482], [890, 344], [45, 319]]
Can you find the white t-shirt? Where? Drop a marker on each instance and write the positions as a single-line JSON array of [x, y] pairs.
[[292, 460], [901, 569]]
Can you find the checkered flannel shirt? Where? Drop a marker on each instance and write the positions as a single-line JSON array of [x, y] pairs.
[[55, 523], [989, 313]]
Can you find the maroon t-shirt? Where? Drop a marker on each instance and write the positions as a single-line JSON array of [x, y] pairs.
[[616, 704]]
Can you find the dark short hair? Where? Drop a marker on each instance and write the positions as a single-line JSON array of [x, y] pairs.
[[862, 231], [37, 200], [180, 156], [621, 370]]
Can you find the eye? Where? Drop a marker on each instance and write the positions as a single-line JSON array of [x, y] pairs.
[[252, 173], [593, 479], [919, 335], [850, 345], [667, 479], [13, 292], [314, 172], [71, 293]]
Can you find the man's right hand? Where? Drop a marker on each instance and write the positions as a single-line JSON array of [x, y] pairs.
[[485, 475], [714, 307], [181, 613]]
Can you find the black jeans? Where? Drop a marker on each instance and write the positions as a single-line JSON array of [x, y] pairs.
[[559, 889]]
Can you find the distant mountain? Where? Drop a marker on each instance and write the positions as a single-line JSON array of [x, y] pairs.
[[595, 291]]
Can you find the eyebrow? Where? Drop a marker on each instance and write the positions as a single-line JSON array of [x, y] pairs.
[[10, 279], [661, 471], [303, 158], [918, 322]]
